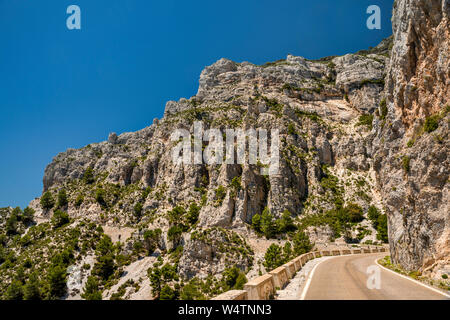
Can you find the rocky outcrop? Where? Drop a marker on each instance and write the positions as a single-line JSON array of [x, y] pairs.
[[324, 155], [412, 152]]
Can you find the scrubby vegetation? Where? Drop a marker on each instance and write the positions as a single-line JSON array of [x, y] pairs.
[[34, 258], [416, 275], [365, 120], [265, 224], [276, 256], [168, 285], [431, 123], [379, 223]]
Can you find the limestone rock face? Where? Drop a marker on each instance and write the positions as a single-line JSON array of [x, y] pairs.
[[314, 105], [411, 159]]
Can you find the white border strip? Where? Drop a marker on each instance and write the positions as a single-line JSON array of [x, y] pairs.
[[413, 280]]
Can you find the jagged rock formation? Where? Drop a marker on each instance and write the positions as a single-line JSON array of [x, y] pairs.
[[315, 105], [347, 141], [412, 156]]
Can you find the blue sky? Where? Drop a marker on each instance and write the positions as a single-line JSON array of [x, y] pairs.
[[63, 88]]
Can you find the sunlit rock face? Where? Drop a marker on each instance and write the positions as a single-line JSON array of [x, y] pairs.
[[411, 153]]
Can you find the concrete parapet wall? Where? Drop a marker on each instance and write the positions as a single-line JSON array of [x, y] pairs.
[[290, 269], [298, 263], [280, 277], [260, 288], [232, 295]]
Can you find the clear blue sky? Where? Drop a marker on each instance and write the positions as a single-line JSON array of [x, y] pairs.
[[63, 88]]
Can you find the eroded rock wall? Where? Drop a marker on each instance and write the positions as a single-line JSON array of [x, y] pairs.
[[411, 153]]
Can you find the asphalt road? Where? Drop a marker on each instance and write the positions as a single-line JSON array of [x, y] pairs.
[[345, 278]]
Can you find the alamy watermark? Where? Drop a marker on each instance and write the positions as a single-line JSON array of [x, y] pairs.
[[374, 277], [374, 21], [74, 20], [227, 146]]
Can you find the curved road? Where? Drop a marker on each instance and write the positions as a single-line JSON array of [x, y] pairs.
[[345, 278]]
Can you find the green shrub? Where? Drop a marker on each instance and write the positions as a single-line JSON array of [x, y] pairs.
[[192, 214], [14, 291], [60, 218], [406, 164], [11, 224], [169, 272], [286, 224], [174, 233], [233, 278], [220, 194], [273, 257], [31, 289], [100, 197], [28, 215], [268, 226], [79, 200], [138, 209], [155, 277], [365, 120], [235, 186], [104, 246], [287, 251], [151, 240], [167, 293], [240, 281], [431, 123], [256, 223], [302, 244], [91, 290], [88, 176], [382, 228], [373, 214], [191, 291], [57, 281], [47, 201], [62, 198], [291, 129], [444, 276], [355, 212], [104, 267], [383, 109], [176, 214]]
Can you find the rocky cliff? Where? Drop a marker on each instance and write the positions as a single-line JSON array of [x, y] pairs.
[[412, 143], [360, 135], [323, 110]]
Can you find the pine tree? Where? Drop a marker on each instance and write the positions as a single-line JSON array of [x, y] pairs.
[[62, 198], [91, 291], [47, 201], [273, 257], [31, 290], [301, 243]]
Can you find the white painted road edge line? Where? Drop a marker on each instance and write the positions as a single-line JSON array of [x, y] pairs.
[[308, 281], [410, 279]]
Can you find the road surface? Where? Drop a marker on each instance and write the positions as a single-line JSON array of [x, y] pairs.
[[345, 278]]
